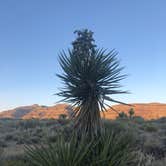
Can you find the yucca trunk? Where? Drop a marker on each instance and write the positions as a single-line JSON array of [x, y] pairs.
[[88, 119]]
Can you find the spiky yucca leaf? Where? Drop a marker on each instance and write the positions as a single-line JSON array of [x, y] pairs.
[[90, 77], [61, 153], [109, 149]]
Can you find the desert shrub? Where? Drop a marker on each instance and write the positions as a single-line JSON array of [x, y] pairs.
[[38, 131], [14, 163], [30, 123], [161, 162], [62, 116], [10, 123], [52, 138], [8, 160], [63, 122], [150, 128], [34, 140], [121, 125], [154, 147], [143, 159], [161, 120], [2, 144], [114, 125], [107, 149], [9, 137], [50, 122], [138, 119], [1, 153], [50, 134], [163, 140], [20, 141]]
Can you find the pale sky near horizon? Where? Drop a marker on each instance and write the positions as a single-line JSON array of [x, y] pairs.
[[33, 32]]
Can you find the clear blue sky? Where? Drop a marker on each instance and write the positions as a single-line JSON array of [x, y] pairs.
[[33, 32]]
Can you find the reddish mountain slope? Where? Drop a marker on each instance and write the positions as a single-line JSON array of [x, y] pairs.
[[147, 111], [35, 111]]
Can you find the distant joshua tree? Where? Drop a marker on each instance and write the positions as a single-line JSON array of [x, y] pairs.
[[62, 116], [122, 115], [90, 76], [131, 113]]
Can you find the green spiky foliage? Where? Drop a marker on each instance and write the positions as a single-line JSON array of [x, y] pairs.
[[90, 76], [108, 149]]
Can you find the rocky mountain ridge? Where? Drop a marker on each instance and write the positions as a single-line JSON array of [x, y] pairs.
[[145, 110]]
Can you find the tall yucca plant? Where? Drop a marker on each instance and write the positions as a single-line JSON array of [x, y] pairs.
[[91, 76]]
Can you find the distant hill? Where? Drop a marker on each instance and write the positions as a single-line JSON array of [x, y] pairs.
[[35, 111], [147, 111]]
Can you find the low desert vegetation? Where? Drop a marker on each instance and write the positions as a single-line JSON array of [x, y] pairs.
[[148, 146]]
